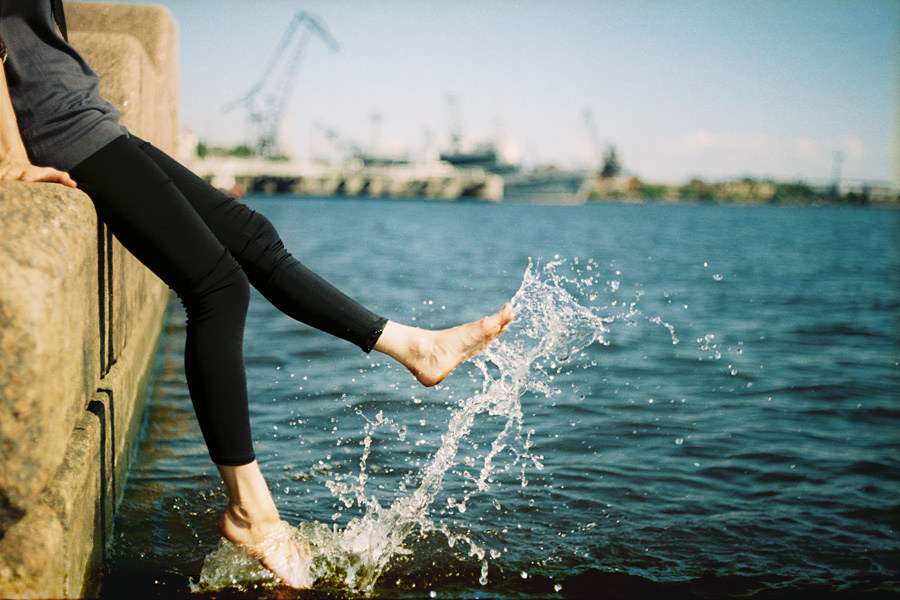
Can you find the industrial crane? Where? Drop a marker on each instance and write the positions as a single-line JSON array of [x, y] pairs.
[[266, 100], [609, 159]]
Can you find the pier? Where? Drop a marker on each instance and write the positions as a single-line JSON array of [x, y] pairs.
[[437, 181]]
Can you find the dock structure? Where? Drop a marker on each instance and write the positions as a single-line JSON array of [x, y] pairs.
[[80, 321], [438, 181]]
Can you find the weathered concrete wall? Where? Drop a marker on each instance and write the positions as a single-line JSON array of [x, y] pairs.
[[134, 49], [79, 323]]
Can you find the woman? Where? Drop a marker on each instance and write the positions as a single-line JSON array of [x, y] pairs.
[[208, 248]]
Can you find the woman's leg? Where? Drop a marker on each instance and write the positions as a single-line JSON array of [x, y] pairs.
[[251, 520], [152, 219], [303, 295], [282, 279]]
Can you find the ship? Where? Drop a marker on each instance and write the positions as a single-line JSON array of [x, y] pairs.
[[546, 185]]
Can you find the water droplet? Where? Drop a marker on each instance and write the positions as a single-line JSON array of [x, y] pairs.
[[523, 575]]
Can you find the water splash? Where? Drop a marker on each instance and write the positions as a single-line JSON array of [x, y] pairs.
[[551, 326]]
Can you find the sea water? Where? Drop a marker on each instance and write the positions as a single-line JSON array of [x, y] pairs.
[[692, 400], [550, 326]]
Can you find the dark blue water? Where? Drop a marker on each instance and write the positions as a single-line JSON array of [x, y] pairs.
[[756, 457]]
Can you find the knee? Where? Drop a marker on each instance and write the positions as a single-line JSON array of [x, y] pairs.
[[262, 238], [223, 291], [263, 250]]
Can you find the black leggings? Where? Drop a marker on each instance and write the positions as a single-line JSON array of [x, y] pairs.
[[207, 247]]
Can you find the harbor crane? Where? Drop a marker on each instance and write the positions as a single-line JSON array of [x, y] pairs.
[[608, 158], [265, 102]]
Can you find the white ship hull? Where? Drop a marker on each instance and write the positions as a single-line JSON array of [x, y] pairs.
[[547, 187]]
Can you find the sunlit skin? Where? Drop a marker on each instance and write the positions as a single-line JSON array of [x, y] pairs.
[[18, 171], [431, 355], [251, 519]]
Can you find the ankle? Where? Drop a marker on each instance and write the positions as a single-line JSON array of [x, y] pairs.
[[249, 500], [400, 342], [244, 515], [244, 527]]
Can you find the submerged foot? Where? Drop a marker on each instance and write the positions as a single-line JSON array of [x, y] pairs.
[[272, 544], [432, 355]]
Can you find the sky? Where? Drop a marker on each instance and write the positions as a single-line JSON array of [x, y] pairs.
[[715, 89]]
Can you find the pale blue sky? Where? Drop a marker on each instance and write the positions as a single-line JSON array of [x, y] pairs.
[[712, 88]]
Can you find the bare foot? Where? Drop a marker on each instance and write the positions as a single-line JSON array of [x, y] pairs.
[[271, 542], [432, 355]]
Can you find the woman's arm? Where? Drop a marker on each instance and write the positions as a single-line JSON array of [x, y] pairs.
[[27, 172], [14, 163]]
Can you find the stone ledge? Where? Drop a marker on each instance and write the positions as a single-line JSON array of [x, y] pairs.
[[129, 79], [80, 320], [52, 547], [49, 331], [24, 548], [50, 349], [152, 26], [76, 499], [154, 29]]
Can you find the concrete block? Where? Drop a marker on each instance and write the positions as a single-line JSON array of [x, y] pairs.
[[51, 552], [80, 320], [49, 314], [155, 30], [75, 496], [152, 25], [28, 551], [49, 332], [131, 82]]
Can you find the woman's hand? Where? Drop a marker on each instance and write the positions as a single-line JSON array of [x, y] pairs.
[[16, 171]]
